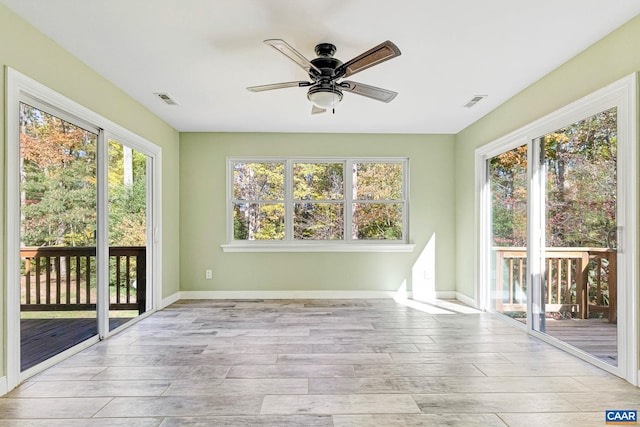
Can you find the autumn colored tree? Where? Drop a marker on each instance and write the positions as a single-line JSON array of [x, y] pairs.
[[318, 200], [58, 180], [374, 183], [259, 190], [581, 166], [508, 177], [318, 193], [581, 163], [58, 185]]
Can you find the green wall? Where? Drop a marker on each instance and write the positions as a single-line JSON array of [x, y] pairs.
[[610, 59], [28, 51], [202, 217], [441, 173]]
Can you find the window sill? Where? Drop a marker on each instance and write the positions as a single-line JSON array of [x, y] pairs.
[[317, 247]]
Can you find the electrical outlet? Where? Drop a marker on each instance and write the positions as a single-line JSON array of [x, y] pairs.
[[208, 274]]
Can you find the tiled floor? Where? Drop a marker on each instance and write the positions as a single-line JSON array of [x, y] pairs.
[[318, 363]]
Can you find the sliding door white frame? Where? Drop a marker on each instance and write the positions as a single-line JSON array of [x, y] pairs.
[[20, 87], [623, 95]]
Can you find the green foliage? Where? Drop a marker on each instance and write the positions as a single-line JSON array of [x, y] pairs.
[[581, 182], [318, 182], [580, 160], [377, 182], [257, 183], [127, 201], [508, 173], [58, 185], [58, 181], [319, 201]]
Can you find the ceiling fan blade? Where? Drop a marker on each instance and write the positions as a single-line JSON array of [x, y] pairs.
[[374, 56], [317, 110], [287, 50], [278, 86], [372, 92]]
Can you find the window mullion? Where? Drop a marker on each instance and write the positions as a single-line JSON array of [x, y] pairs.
[[348, 200], [288, 200], [405, 201]]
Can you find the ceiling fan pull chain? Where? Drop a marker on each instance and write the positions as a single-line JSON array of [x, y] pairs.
[[333, 97]]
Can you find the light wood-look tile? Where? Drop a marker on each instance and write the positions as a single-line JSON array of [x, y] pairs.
[[317, 363]]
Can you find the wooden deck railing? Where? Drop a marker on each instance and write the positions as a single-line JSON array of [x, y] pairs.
[[64, 278], [578, 280]]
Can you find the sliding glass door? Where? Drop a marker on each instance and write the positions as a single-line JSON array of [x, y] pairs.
[[62, 289], [577, 286], [558, 228], [128, 206], [58, 223], [82, 225], [507, 179]]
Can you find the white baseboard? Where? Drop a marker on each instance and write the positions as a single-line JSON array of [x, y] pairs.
[[445, 294], [249, 295], [169, 300], [285, 294], [466, 300], [402, 295], [3, 386]]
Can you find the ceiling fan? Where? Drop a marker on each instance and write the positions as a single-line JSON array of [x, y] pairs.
[[325, 71]]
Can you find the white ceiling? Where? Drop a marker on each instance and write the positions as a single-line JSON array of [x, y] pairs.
[[204, 53]]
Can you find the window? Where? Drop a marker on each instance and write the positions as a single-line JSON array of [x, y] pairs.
[[284, 202]]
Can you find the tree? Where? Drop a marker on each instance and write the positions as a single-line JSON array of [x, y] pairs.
[[581, 164], [315, 187], [508, 177], [259, 211], [58, 180], [127, 196], [581, 161], [377, 182], [58, 185]]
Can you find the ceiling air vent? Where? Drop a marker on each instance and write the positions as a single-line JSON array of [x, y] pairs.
[[166, 98], [475, 100]]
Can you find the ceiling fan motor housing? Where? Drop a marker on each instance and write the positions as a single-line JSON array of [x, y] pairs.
[[325, 62]]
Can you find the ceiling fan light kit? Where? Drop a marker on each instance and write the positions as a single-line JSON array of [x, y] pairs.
[[325, 71], [324, 97]]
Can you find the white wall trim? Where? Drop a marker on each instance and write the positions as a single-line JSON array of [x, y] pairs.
[[185, 295], [471, 302], [3, 386], [254, 246], [446, 294], [166, 302]]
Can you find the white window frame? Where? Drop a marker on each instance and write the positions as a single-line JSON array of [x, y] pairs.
[[623, 95], [21, 88], [347, 244]]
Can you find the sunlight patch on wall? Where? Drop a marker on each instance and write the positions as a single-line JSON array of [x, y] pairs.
[[424, 273]]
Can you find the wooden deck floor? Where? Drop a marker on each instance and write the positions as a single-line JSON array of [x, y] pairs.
[[595, 336], [41, 339]]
